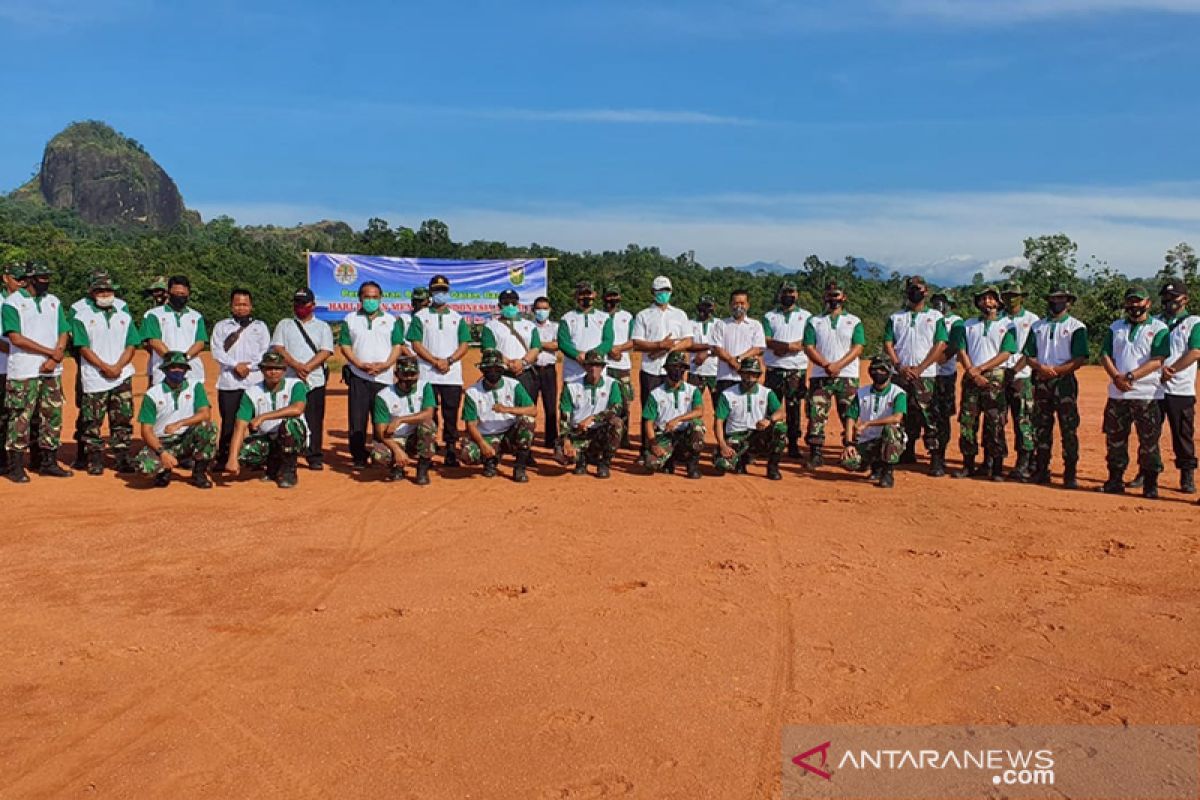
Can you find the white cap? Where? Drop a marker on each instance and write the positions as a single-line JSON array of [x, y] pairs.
[[661, 282]]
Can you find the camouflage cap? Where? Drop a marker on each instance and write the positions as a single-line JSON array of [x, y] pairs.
[[582, 287], [157, 283], [420, 293], [945, 294], [101, 282], [593, 358], [989, 289], [706, 300], [490, 358], [612, 288], [750, 364], [1059, 290], [788, 286], [1173, 289], [18, 269], [37, 268], [1136, 293], [676, 358], [175, 359], [881, 360], [408, 366], [272, 360], [1013, 288]]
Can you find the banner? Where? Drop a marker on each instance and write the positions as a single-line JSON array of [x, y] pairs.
[[474, 285]]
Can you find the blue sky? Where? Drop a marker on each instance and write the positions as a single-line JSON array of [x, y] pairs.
[[929, 134]]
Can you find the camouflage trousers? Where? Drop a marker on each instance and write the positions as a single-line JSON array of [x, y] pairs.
[[986, 402], [885, 448], [705, 382], [1018, 393], [289, 439], [945, 390], [745, 444], [683, 444], [198, 442], [34, 403], [117, 405], [1120, 418], [1056, 397], [921, 421], [518, 438], [823, 393], [791, 388], [598, 443], [421, 443]]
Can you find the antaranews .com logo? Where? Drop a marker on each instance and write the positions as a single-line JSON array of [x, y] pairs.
[[1007, 767]]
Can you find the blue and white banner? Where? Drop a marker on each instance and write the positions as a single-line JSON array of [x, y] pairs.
[[474, 285]]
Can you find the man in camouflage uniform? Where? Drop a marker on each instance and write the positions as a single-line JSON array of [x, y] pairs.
[[1018, 379], [176, 420], [8, 284], [270, 430], [833, 342], [875, 435], [914, 340], [945, 387], [672, 421], [1057, 346], [404, 424], [591, 418], [750, 420], [105, 337], [499, 416], [787, 363], [983, 344], [1134, 350], [619, 366], [37, 329]]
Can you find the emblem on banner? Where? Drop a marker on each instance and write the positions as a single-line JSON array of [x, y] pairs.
[[516, 274], [345, 273]]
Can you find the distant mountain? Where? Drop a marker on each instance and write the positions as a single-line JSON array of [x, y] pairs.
[[862, 267]]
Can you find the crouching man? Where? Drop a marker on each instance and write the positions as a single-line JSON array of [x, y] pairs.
[[671, 421], [271, 431], [499, 415], [176, 422], [875, 436], [591, 420], [404, 425]]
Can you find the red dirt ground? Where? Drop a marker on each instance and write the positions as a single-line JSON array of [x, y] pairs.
[[569, 638]]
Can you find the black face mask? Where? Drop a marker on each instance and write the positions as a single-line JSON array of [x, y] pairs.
[[1057, 307], [704, 312], [915, 295], [584, 302], [1135, 313], [39, 285], [610, 303], [178, 301], [1172, 307], [748, 382], [175, 376], [941, 306], [834, 305], [675, 374], [879, 377], [492, 374], [787, 300], [406, 384]]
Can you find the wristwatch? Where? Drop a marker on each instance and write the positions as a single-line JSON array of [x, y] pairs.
[[1129, 377]]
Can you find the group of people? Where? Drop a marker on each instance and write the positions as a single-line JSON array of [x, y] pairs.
[[405, 380]]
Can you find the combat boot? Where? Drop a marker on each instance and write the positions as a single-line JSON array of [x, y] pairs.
[[937, 464], [125, 465], [519, 475], [1020, 471], [4, 462], [35, 459], [16, 467], [287, 472], [50, 467], [1137, 482], [602, 469], [95, 463], [580, 464], [200, 477], [743, 464], [997, 470], [876, 472], [886, 477], [394, 473], [81, 461], [452, 458], [422, 472], [1041, 471], [1069, 478], [1150, 485], [693, 468], [1187, 481], [793, 450], [1115, 483], [490, 467], [967, 470], [815, 458], [909, 456], [162, 479], [773, 468]]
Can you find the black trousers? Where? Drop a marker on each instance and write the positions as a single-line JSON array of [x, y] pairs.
[[78, 405], [314, 415], [449, 400], [1180, 413], [361, 398], [545, 386], [228, 401], [646, 384]]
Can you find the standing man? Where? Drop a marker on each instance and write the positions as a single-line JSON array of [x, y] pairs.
[[38, 332], [741, 338], [581, 330], [786, 361], [833, 341], [156, 291], [419, 299], [672, 421], [984, 344], [706, 337], [1134, 351], [306, 343], [175, 327], [270, 430], [370, 340], [9, 283], [749, 421], [81, 449], [1178, 383], [1057, 346], [592, 420], [517, 339], [404, 423], [1018, 381], [106, 335], [546, 368], [176, 421], [875, 425], [914, 340], [658, 331], [499, 416], [619, 364], [440, 336], [945, 384], [238, 345]]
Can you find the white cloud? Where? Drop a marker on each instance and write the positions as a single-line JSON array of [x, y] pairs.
[[619, 116], [988, 11], [948, 236]]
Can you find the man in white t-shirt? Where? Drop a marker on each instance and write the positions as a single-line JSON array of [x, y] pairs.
[[914, 338], [371, 341], [440, 337], [658, 330], [546, 368], [875, 425], [238, 345], [787, 363], [706, 337], [306, 343], [945, 385], [619, 365], [1018, 381], [499, 416], [1178, 401], [833, 341], [741, 337]]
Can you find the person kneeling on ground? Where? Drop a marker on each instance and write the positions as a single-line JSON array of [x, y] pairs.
[[671, 421], [271, 430], [875, 435], [499, 415], [749, 420], [591, 418], [176, 420], [404, 424]]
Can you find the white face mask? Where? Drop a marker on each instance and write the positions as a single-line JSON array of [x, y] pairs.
[[105, 301]]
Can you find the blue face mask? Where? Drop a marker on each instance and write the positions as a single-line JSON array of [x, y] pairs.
[[541, 314], [662, 298], [510, 312], [439, 298], [175, 376]]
